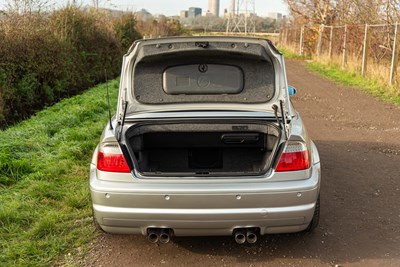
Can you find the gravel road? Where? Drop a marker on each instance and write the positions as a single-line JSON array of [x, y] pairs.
[[359, 142]]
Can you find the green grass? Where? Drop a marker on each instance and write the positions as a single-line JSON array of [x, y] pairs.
[[292, 55], [376, 88], [44, 168]]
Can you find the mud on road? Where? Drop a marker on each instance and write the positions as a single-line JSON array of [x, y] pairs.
[[358, 138]]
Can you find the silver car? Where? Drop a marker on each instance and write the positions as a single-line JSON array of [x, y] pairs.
[[205, 141]]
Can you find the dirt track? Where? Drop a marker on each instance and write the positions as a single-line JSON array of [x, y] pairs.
[[359, 142]]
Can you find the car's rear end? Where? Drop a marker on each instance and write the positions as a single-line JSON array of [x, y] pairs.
[[205, 142]]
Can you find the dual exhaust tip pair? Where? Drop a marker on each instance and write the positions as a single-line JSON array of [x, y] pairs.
[[159, 234], [243, 235], [163, 235]]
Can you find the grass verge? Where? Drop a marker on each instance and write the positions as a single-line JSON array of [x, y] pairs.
[[376, 88], [292, 55], [44, 166]]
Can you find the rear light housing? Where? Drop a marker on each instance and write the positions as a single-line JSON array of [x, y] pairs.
[[111, 159], [295, 157]]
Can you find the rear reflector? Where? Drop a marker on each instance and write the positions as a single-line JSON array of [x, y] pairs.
[[111, 159], [294, 158]]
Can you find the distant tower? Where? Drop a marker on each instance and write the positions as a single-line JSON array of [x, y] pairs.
[[242, 17], [194, 12], [213, 7]]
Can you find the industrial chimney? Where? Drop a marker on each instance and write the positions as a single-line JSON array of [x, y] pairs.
[[213, 7], [233, 8]]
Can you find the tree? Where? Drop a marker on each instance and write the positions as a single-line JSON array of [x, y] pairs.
[[341, 12], [313, 11], [28, 6]]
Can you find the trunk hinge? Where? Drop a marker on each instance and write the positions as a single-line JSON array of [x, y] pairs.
[[121, 117], [282, 121]]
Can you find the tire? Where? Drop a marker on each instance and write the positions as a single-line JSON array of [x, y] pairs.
[[315, 220]]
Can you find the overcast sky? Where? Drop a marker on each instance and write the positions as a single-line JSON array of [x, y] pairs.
[[172, 7]]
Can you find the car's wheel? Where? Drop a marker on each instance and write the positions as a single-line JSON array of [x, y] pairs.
[[315, 220], [96, 223]]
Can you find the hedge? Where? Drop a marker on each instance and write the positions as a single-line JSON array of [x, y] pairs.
[[47, 57]]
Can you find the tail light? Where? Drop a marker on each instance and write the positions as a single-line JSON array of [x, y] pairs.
[[294, 158], [111, 159]]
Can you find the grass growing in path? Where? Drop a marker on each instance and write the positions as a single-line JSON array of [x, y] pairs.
[[374, 87], [292, 55], [44, 168]]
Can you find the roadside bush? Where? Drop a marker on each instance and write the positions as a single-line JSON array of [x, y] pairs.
[[33, 71], [161, 27], [94, 41], [125, 28], [44, 58]]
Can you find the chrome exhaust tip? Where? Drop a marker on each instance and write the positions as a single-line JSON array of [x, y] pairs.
[[152, 235], [251, 237], [240, 237], [165, 236]]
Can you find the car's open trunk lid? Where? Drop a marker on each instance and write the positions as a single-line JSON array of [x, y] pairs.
[[208, 75], [201, 148]]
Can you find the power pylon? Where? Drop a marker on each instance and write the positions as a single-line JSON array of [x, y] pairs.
[[242, 17]]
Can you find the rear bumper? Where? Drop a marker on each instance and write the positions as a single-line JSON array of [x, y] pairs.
[[196, 209]]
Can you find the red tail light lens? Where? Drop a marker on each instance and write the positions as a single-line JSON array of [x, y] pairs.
[[111, 159], [294, 158]]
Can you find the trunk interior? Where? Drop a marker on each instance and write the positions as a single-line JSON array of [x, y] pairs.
[[202, 149]]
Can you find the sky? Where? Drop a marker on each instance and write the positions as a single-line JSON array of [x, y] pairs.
[[172, 7]]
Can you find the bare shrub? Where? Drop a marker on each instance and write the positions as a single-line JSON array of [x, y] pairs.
[[45, 57]]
